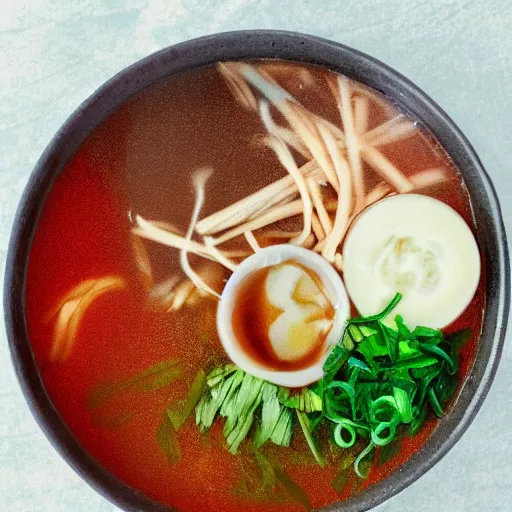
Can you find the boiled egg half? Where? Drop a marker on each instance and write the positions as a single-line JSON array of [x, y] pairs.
[[418, 246], [280, 312]]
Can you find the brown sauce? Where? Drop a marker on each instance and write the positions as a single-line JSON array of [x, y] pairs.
[[253, 314]]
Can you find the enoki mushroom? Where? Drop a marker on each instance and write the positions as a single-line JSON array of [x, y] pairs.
[[199, 180], [288, 162]]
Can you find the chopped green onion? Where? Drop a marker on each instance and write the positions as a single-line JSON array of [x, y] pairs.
[[360, 459], [379, 316]]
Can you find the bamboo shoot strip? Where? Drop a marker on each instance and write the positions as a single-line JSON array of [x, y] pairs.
[[102, 286], [344, 207], [301, 121], [280, 234], [251, 240], [76, 293], [263, 198], [338, 261], [281, 132], [336, 131], [376, 98], [268, 87], [286, 196], [380, 130], [332, 83], [199, 180], [316, 225], [142, 262], [298, 118], [354, 158], [428, 177], [421, 179], [147, 229], [167, 226], [288, 162], [229, 264], [309, 243], [286, 200], [377, 193], [194, 298], [181, 294], [292, 140], [238, 86], [316, 196], [269, 217], [361, 114], [386, 169], [234, 253], [398, 132], [151, 231], [161, 295], [186, 293]]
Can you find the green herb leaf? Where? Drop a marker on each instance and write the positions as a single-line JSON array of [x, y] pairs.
[[345, 472], [306, 400], [456, 341], [113, 422], [418, 420], [386, 381], [353, 361], [261, 484], [237, 396], [156, 377], [270, 414], [414, 362], [390, 451], [435, 350], [282, 434], [444, 387], [403, 404], [403, 330], [219, 374], [337, 358], [168, 441], [179, 413], [341, 480], [426, 332], [434, 402], [408, 349], [221, 393], [293, 489], [308, 434], [266, 486]]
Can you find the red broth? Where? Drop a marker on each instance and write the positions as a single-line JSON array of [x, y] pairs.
[[139, 161]]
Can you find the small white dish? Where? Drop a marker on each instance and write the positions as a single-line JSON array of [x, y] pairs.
[[334, 289]]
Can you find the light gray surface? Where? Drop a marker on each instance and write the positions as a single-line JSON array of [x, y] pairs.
[[54, 53]]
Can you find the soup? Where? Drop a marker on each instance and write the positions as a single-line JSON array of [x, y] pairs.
[[157, 213]]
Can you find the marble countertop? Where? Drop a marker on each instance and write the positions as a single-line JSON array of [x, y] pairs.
[[55, 53]]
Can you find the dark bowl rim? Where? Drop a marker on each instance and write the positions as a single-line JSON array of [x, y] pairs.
[[239, 45]]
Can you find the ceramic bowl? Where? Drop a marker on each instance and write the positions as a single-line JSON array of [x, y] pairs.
[[290, 47]]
